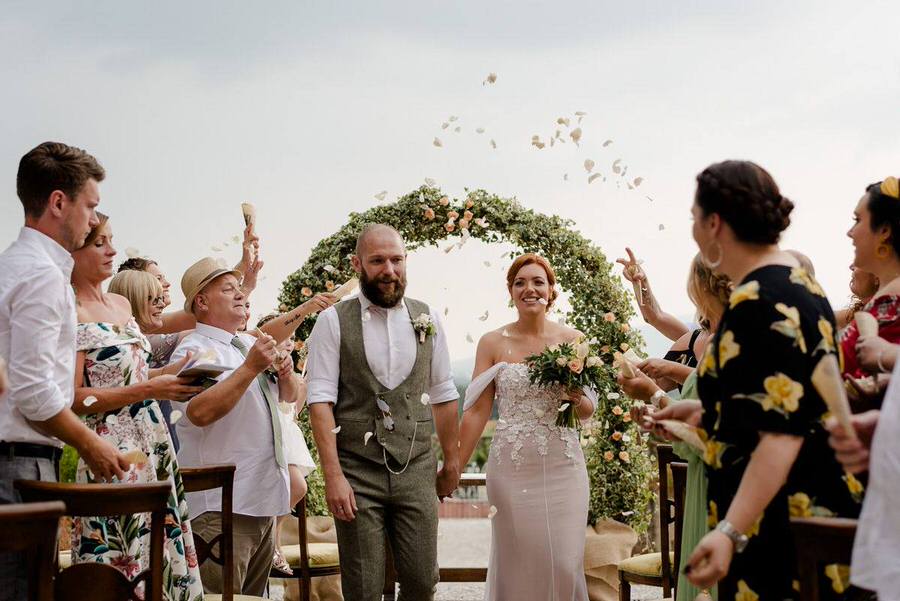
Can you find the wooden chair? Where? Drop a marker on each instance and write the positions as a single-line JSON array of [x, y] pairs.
[[820, 542], [97, 581], [656, 569], [31, 528], [308, 560], [196, 479]]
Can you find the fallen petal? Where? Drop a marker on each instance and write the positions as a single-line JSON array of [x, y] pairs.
[[366, 438], [563, 407]]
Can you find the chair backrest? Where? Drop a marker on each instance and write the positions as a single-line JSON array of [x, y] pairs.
[[671, 511], [196, 479], [820, 542], [32, 528], [102, 582]]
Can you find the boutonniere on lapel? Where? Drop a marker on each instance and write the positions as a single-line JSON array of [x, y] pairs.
[[424, 326]]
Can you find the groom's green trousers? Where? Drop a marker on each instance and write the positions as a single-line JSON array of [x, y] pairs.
[[401, 508]]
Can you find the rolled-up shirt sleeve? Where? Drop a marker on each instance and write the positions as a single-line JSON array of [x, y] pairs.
[[34, 335], [443, 388], [323, 364]]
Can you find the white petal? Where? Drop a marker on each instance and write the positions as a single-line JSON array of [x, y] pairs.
[[563, 121], [607, 143], [453, 118], [381, 195], [661, 227], [132, 252], [491, 78], [493, 144], [216, 249], [437, 142], [588, 165], [565, 177], [235, 239], [469, 338], [88, 401], [175, 416], [366, 438], [430, 182], [615, 166], [492, 512], [593, 177], [575, 134], [563, 407], [425, 398], [457, 129], [637, 181], [539, 412], [111, 419], [479, 130], [445, 125], [487, 263], [483, 317], [446, 311], [335, 430]]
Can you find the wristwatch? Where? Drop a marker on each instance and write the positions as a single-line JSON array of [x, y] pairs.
[[740, 540]]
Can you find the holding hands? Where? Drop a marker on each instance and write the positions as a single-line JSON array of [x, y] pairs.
[[852, 449]]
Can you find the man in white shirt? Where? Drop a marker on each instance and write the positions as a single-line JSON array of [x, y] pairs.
[[58, 187], [379, 385], [234, 421]]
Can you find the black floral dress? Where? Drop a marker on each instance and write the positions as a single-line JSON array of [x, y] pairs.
[[755, 377]]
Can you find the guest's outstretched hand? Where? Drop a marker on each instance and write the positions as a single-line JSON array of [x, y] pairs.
[[710, 560], [641, 386], [633, 271], [853, 451]]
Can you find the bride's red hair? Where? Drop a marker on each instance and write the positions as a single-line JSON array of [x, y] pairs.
[[533, 259]]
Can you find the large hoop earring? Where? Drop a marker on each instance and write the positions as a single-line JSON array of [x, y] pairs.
[[883, 251], [709, 262]]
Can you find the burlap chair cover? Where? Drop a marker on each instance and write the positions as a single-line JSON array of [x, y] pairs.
[[608, 542]]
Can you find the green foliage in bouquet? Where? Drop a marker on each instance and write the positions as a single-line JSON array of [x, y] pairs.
[[572, 365], [600, 310]]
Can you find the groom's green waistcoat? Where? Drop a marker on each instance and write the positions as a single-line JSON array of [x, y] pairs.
[[356, 410]]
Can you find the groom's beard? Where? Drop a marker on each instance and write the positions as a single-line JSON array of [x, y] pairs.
[[382, 296]]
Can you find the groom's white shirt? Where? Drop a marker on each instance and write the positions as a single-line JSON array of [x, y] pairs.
[[390, 343]]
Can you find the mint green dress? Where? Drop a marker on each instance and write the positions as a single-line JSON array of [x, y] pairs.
[[694, 527]]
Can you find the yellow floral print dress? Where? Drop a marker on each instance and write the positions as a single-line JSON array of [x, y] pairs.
[[755, 378]]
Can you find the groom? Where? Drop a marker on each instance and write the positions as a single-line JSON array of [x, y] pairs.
[[379, 386]]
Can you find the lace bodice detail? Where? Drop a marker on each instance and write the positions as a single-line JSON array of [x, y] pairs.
[[527, 415]]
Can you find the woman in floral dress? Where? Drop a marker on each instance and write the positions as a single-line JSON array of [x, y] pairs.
[[114, 392], [767, 453]]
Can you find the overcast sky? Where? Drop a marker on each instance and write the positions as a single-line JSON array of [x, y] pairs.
[[310, 109]]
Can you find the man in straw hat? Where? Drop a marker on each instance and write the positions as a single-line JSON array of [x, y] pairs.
[[234, 421], [379, 385]]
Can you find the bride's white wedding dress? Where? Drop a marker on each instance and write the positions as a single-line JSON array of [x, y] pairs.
[[537, 480]]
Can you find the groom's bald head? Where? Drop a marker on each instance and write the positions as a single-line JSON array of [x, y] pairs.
[[378, 235]]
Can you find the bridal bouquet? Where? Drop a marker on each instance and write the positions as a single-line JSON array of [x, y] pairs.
[[572, 365]]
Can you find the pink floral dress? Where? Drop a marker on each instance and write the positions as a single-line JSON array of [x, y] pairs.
[[118, 356]]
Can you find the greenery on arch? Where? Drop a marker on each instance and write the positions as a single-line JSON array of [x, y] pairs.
[[618, 467]]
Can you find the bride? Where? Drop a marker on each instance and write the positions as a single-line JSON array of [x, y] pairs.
[[536, 476]]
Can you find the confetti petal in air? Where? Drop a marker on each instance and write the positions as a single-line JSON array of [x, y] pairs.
[[445, 125], [615, 166], [235, 239], [457, 129], [491, 78], [593, 177], [175, 416], [335, 430], [452, 118], [563, 121], [88, 401], [637, 181], [580, 115], [437, 142], [381, 195], [132, 252], [484, 317], [588, 165], [575, 134], [487, 263], [479, 130], [607, 143], [366, 438], [216, 249], [565, 177], [446, 311], [661, 227], [493, 144], [469, 338], [492, 512], [425, 398], [430, 182]]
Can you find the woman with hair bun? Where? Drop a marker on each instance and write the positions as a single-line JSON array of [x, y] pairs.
[[767, 456], [876, 245]]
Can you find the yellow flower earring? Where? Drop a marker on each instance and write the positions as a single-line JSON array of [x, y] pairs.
[[883, 251]]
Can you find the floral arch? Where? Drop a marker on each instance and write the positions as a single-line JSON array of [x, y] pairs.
[[618, 467]]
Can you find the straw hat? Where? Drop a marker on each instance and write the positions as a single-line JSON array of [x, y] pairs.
[[199, 275]]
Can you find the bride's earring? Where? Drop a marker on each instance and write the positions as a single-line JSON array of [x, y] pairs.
[[709, 262], [511, 303]]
